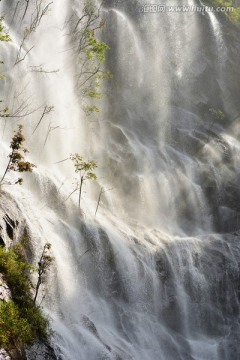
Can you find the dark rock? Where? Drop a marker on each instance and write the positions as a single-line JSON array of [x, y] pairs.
[[88, 324], [5, 293], [41, 351], [10, 226]]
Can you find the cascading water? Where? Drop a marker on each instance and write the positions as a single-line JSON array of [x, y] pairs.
[[155, 276]]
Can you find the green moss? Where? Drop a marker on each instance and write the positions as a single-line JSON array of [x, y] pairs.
[[14, 329], [21, 321], [233, 16]]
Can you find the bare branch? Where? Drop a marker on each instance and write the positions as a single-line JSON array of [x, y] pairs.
[[18, 59], [25, 11], [46, 111], [35, 22], [61, 161], [50, 128], [85, 253], [102, 191], [99, 199], [71, 194], [15, 11]]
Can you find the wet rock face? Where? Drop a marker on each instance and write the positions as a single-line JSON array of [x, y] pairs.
[[4, 355], [41, 351], [13, 229], [5, 293], [12, 223]]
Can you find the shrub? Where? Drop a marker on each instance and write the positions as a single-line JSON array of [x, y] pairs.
[[21, 321]]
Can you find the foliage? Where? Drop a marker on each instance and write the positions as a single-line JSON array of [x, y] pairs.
[[14, 330], [89, 109], [4, 36], [40, 10], [85, 169], [91, 53], [94, 48], [21, 322], [91, 92], [217, 114], [233, 15], [16, 157]]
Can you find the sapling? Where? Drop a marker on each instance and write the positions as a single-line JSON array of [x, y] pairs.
[[44, 264], [85, 169], [17, 160]]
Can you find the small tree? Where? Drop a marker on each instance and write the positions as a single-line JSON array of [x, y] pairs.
[[85, 169], [44, 265], [90, 54], [16, 157], [39, 11], [92, 72]]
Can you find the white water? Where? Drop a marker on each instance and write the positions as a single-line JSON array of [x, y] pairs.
[[151, 278]]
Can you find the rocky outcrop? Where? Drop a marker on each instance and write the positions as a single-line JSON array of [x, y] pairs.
[[12, 223], [4, 355], [14, 229], [5, 293], [41, 351]]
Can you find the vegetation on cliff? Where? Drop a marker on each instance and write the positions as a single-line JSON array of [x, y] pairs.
[[17, 160], [234, 14], [21, 320]]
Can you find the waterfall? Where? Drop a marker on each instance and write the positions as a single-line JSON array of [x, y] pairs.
[[155, 275], [216, 27]]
